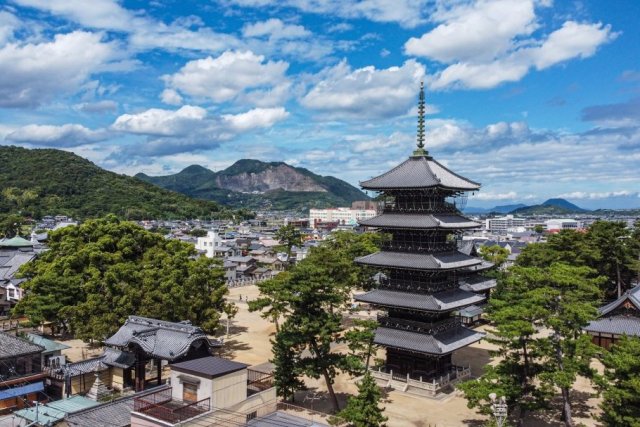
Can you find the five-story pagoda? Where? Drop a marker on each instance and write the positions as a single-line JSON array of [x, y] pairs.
[[422, 266]]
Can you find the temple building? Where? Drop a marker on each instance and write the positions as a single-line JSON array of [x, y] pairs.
[[618, 318], [422, 268]]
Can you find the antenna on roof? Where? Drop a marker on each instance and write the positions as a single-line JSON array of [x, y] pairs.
[[420, 136]]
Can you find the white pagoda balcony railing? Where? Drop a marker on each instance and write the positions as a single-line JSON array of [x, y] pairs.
[[422, 385]]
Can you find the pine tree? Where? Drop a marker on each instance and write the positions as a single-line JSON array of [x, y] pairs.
[[286, 373], [363, 410], [621, 397]]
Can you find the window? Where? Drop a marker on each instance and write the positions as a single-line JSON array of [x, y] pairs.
[[252, 416], [189, 392]]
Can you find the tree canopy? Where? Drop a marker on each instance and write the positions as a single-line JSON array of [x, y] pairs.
[[96, 274], [621, 397]]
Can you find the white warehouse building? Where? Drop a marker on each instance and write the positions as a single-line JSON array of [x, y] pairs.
[[504, 223], [344, 216]]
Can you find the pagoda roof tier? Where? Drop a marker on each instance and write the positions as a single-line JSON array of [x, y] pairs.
[[443, 301], [420, 172], [419, 261], [419, 221], [477, 283], [481, 266], [439, 344]]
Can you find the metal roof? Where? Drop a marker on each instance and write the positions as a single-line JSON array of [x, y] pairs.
[[158, 338], [52, 412], [282, 419], [620, 325], [118, 358], [440, 344], [208, 367], [477, 283], [419, 221], [21, 390], [419, 172], [442, 301], [12, 346], [49, 345], [419, 261]]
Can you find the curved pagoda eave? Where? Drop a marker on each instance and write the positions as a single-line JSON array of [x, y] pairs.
[[420, 172], [420, 221], [440, 302], [419, 261], [435, 345]]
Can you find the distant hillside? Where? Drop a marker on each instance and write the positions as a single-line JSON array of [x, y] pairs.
[[504, 209], [47, 181], [550, 207], [256, 184]]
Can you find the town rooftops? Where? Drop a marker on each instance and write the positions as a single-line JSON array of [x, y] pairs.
[[618, 325], [419, 261], [12, 346], [15, 242], [419, 221], [50, 346], [159, 338], [420, 172], [208, 367], [53, 412], [441, 301], [631, 296]]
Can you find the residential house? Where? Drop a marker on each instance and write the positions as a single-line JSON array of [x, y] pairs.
[[21, 376]]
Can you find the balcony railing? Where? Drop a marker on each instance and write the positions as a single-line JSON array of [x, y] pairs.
[[416, 326], [427, 383], [162, 406]]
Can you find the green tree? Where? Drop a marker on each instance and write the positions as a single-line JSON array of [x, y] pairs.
[[360, 342], [363, 410], [198, 232], [289, 236], [273, 300], [286, 372], [494, 254], [11, 225], [539, 229], [96, 274], [621, 397]]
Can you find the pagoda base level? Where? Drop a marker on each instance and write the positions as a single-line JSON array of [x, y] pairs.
[[420, 386], [417, 365]]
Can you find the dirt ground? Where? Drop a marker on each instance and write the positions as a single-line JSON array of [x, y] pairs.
[[248, 342]]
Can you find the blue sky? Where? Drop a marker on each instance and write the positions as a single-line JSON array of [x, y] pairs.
[[533, 98]]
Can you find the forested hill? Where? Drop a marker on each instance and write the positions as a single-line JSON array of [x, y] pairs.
[[47, 182], [257, 184]]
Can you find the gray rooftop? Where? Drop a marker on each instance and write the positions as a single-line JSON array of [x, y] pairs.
[[158, 338], [12, 346], [441, 301], [282, 419], [419, 261], [477, 283], [632, 295], [50, 346], [440, 344], [418, 221], [420, 172], [620, 325], [208, 367]]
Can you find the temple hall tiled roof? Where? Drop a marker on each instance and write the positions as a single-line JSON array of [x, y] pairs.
[[441, 301], [420, 172], [419, 221], [632, 295], [619, 325], [12, 346], [442, 343], [161, 339], [418, 261]]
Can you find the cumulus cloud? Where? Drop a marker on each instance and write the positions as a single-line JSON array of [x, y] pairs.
[[171, 97], [511, 195], [229, 75], [598, 195], [68, 135], [365, 93], [490, 42], [368, 145], [275, 29], [34, 73], [189, 128], [99, 107], [407, 13]]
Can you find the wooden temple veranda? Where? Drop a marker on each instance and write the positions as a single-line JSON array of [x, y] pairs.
[[423, 272]]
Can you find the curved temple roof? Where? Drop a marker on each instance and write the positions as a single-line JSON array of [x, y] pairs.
[[419, 221], [442, 301], [420, 172], [440, 344], [419, 261]]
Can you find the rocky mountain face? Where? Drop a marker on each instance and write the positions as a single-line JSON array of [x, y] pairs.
[[260, 185], [279, 177]]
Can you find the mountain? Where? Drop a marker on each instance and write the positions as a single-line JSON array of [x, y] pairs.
[[47, 181], [256, 184], [550, 207]]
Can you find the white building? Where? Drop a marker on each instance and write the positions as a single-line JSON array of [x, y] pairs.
[[562, 224], [505, 223], [346, 216], [209, 243]]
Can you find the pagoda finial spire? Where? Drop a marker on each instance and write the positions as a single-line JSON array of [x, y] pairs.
[[420, 136]]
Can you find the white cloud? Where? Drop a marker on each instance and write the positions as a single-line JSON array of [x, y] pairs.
[[256, 118], [160, 122], [275, 29], [490, 42], [171, 97], [370, 145], [104, 106], [407, 13], [68, 135], [511, 195], [365, 93], [598, 195], [33, 73], [93, 14], [8, 24], [226, 77]]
